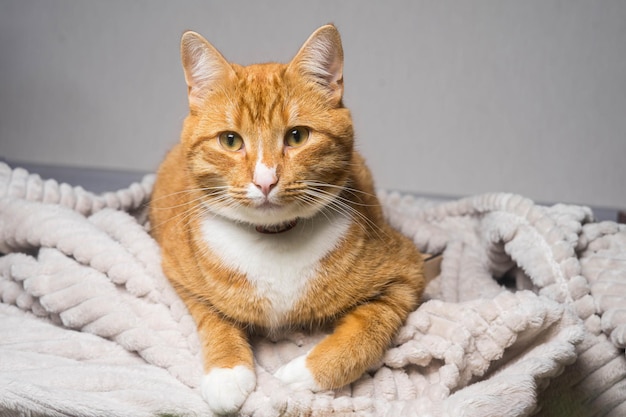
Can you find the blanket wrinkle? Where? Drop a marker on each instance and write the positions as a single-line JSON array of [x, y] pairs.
[[526, 317], [19, 183]]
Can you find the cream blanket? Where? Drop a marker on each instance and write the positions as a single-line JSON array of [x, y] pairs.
[[528, 316]]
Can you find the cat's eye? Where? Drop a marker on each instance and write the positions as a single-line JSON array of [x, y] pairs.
[[231, 141], [296, 136]]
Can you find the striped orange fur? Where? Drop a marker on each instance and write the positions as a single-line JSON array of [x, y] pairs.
[[267, 219]]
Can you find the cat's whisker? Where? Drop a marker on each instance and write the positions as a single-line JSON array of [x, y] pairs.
[[349, 190], [187, 216], [342, 206], [210, 208], [333, 198], [328, 204], [306, 200], [192, 190], [221, 202], [182, 217], [206, 192], [178, 216], [342, 187], [186, 203]]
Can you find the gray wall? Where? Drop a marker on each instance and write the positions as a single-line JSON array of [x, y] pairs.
[[450, 98]]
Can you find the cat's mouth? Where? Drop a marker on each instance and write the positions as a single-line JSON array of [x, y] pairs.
[[277, 228]]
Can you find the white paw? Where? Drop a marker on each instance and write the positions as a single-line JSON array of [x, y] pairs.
[[226, 389], [297, 376]]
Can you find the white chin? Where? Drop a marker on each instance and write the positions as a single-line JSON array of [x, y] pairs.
[[271, 217]]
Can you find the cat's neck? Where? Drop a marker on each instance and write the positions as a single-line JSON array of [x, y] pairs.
[[295, 232], [278, 265], [274, 229]]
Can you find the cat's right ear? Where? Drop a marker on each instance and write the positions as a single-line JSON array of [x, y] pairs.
[[320, 59], [204, 67]]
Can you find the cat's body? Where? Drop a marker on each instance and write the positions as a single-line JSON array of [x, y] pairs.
[[267, 220]]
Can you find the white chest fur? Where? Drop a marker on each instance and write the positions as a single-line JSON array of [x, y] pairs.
[[278, 265]]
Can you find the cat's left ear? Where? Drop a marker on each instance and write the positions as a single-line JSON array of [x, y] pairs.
[[205, 68], [321, 59]]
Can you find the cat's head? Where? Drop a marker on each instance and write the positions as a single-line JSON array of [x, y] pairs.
[[268, 143]]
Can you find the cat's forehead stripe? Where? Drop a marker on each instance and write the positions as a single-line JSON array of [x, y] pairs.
[[264, 98], [263, 110]]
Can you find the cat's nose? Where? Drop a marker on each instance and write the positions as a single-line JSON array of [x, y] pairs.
[[266, 187], [265, 178]]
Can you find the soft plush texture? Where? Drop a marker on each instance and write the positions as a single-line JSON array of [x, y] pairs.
[[528, 316]]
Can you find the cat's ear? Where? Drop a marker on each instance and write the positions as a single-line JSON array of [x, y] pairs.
[[204, 67], [321, 59]]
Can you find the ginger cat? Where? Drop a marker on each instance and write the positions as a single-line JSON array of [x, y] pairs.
[[267, 219]]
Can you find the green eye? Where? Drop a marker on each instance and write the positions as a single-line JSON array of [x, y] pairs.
[[296, 136], [231, 141]]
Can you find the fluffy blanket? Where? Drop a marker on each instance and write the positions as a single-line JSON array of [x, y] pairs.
[[528, 315]]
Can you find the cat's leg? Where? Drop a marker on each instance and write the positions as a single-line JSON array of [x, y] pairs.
[[228, 360], [358, 341]]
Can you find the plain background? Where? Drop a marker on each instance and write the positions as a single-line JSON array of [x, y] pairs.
[[448, 97]]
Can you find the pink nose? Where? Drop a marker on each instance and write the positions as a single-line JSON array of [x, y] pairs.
[[265, 178], [266, 187]]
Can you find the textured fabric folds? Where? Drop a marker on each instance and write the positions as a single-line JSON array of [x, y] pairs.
[[527, 317]]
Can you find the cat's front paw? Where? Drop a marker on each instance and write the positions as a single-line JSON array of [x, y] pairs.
[[297, 376], [226, 389]]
